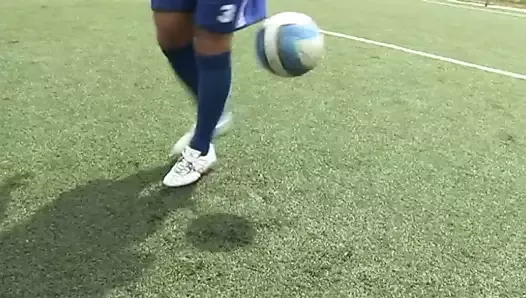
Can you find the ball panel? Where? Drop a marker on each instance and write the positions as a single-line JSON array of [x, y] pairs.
[[271, 45], [295, 44], [260, 49], [312, 50]]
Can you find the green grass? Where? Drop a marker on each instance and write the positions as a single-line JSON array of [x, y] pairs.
[[380, 174]]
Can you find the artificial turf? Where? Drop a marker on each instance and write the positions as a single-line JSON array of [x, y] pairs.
[[379, 174]]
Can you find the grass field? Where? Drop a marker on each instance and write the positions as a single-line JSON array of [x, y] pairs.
[[380, 174]]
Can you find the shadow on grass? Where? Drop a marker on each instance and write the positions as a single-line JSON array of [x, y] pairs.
[[81, 244], [220, 232]]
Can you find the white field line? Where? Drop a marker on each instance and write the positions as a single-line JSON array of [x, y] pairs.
[[520, 15], [427, 55], [508, 8]]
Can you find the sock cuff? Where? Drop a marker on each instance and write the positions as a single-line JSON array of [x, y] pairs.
[[218, 61]]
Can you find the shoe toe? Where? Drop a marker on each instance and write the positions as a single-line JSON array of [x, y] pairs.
[[173, 180]]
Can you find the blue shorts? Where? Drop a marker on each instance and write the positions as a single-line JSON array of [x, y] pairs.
[[222, 16]]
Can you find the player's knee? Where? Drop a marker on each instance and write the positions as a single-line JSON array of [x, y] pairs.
[[211, 43], [173, 29]]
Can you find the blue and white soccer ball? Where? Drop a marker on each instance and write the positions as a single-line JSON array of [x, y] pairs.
[[289, 44]]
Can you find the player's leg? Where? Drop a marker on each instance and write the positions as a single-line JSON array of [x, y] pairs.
[[216, 20], [174, 22], [213, 60]]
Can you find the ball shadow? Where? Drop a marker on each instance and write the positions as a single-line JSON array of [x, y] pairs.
[[220, 232]]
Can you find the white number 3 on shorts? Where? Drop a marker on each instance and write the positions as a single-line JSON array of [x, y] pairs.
[[228, 13]]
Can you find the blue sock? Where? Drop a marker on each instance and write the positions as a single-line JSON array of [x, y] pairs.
[[184, 65], [215, 76]]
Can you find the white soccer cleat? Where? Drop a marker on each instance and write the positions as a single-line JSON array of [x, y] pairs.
[[222, 127], [190, 167]]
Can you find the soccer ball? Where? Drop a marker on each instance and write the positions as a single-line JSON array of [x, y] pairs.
[[289, 44]]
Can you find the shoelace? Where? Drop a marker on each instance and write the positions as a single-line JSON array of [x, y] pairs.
[[183, 166]]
